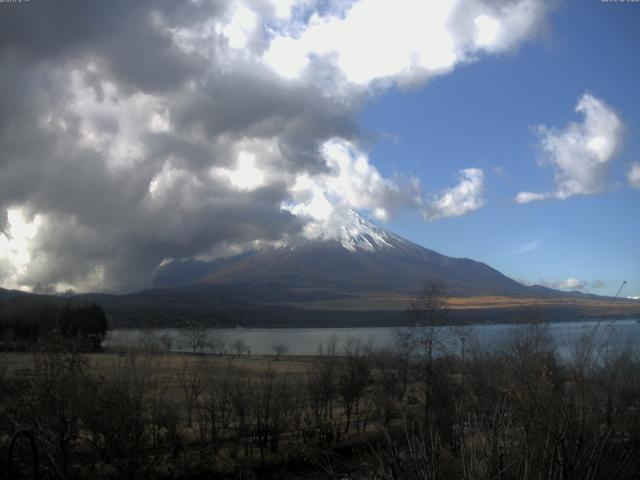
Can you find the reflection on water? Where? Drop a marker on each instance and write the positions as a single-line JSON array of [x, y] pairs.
[[305, 341]]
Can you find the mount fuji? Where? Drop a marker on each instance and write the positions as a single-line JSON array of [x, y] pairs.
[[356, 265], [357, 259], [352, 274]]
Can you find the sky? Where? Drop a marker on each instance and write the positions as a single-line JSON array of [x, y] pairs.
[[134, 134]]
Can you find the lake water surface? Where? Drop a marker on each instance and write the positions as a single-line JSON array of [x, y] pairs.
[[305, 341]]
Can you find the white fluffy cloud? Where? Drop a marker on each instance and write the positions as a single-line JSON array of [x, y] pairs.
[[15, 254], [572, 284], [633, 175], [566, 284], [402, 40], [526, 197], [580, 153], [459, 200], [350, 182]]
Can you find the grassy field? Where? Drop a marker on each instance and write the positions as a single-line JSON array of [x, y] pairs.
[[591, 306], [167, 365]]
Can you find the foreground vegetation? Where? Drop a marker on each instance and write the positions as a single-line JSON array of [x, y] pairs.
[[413, 412], [425, 409]]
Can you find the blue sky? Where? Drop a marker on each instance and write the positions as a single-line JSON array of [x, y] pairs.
[[483, 114]]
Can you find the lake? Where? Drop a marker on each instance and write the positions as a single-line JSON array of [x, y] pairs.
[[305, 341]]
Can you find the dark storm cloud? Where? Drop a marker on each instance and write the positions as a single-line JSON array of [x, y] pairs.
[[120, 33], [75, 74], [135, 245], [260, 105]]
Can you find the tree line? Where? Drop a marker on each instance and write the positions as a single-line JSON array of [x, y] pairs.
[[25, 322]]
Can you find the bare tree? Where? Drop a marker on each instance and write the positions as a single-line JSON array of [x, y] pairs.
[[424, 336], [116, 415], [165, 342], [191, 384], [216, 406], [195, 336], [54, 403], [388, 384], [353, 379], [321, 390], [412, 454], [217, 341], [240, 346], [428, 312], [279, 349]]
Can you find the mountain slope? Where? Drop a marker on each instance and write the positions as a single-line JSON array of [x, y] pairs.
[[357, 260]]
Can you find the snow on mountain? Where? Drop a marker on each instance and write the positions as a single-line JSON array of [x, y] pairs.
[[358, 233], [349, 229]]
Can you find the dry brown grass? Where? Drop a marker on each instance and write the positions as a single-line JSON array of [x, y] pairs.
[[398, 302], [167, 366]]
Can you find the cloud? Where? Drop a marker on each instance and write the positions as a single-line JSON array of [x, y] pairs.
[[136, 132], [351, 183], [598, 284], [15, 255], [526, 197], [501, 172], [572, 284], [402, 41], [459, 200], [528, 246], [4, 220], [566, 284], [580, 153], [633, 175]]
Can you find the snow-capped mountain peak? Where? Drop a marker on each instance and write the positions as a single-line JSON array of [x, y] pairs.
[[324, 221], [356, 233], [351, 231]]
